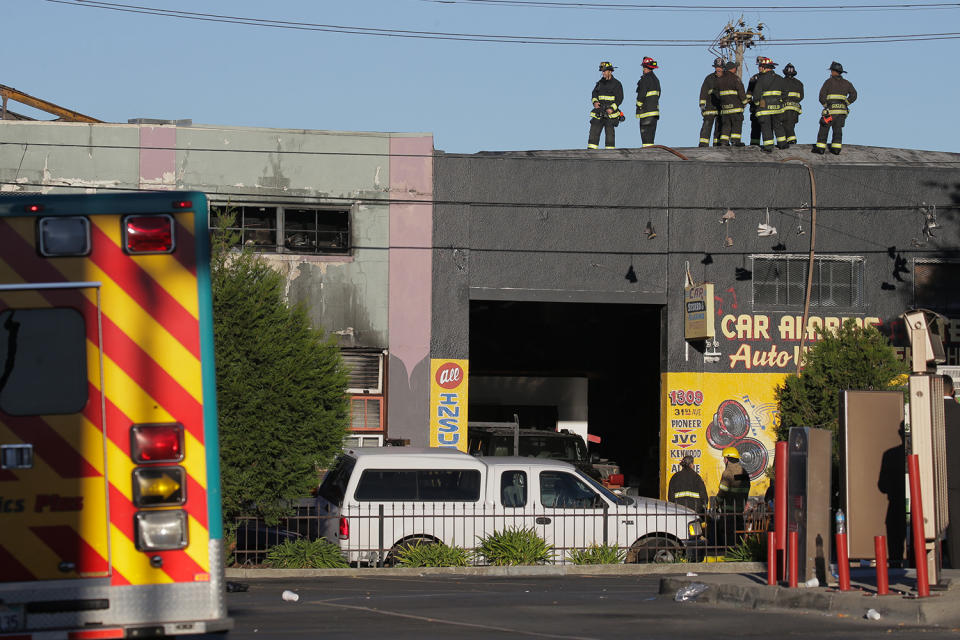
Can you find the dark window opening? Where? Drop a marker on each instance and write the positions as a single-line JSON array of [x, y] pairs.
[[278, 229], [934, 286]]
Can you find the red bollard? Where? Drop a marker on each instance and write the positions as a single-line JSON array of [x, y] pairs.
[[780, 502], [793, 541], [771, 557], [843, 562], [916, 521], [883, 578]]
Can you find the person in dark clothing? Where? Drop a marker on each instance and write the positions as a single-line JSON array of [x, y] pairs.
[[836, 96], [732, 496], [892, 470], [754, 123], [792, 97], [606, 114], [951, 414], [648, 102], [767, 97], [686, 487], [710, 106], [732, 97]]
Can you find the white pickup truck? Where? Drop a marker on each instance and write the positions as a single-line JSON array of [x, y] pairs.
[[375, 500]]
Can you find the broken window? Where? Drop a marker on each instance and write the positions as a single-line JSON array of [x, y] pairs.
[[282, 229]]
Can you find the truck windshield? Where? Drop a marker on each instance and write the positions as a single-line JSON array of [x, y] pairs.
[[552, 447], [609, 495]]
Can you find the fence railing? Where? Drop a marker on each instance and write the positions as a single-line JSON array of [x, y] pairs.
[[644, 532]]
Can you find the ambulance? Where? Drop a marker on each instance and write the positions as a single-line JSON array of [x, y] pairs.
[[110, 522]]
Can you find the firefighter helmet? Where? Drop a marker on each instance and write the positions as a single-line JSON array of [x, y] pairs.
[[836, 66], [606, 66], [717, 62], [790, 70], [731, 452], [766, 63], [730, 66], [649, 63]]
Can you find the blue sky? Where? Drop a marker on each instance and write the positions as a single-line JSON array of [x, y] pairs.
[[472, 96]]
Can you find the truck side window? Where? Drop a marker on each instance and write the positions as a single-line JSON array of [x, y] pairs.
[[513, 489], [566, 491]]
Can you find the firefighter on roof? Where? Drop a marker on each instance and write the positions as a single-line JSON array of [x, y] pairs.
[[710, 106], [648, 102], [754, 123], [606, 114], [792, 96], [732, 97], [767, 97], [836, 95]]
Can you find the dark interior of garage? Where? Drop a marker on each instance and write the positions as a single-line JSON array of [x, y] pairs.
[[615, 346]]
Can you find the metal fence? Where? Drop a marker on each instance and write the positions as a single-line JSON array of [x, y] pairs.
[[371, 535]]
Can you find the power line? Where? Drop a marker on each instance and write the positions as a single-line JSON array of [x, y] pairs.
[[605, 6], [242, 198], [493, 38], [485, 155]]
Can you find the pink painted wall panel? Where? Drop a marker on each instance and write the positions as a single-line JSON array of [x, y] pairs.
[[158, 157]]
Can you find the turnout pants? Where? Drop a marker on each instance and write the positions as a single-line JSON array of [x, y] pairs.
[[648, 130], [608, 125], [771, 128], [731, 127], [710, 123], [754, 128], [837, 126], [790, 118]]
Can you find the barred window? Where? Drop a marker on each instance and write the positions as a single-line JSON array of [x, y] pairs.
[[282, 229], [935, 285], [781, 281]]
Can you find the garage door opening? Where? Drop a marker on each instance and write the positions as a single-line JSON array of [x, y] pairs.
[[573, 363]]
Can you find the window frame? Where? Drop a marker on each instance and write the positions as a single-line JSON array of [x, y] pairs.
[[279, 228], [366, 398], [856, 284]]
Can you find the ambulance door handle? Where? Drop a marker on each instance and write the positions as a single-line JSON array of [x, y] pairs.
[[67, 567], [542, 520]]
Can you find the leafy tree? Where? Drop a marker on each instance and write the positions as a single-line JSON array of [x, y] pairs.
[[280, 386], [850, 358]]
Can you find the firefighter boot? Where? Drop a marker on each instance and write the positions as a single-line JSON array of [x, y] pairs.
[[818, 150]]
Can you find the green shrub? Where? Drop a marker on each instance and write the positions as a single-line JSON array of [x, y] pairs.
[[597, 554], [431, 554], [305, 554], [514, 546], [751, 548]]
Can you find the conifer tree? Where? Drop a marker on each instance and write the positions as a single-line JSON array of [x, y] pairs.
[[280, 387]]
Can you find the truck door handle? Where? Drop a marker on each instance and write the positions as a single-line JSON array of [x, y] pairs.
[[542, 520]]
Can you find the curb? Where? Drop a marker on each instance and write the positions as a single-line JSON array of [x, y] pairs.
[[896, 609], [540, 570]]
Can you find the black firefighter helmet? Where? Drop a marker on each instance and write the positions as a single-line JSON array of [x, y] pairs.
[[836, 66], [606, 66]]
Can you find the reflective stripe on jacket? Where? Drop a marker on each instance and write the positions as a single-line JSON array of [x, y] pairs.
[[648, 96], [792, 95], [730, 93], [767, 94], [836, 95], [609, 95], [709, 105]]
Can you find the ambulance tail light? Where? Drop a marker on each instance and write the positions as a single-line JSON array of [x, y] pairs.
[[161, 530], [148, 234], [344, 532], [156, 442]]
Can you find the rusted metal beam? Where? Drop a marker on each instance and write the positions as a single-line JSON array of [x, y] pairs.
[[9, 93]]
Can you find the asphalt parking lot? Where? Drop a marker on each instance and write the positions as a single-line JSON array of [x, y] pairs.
[[572, 607]]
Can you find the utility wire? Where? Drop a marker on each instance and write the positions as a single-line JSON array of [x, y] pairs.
[[484, 155], [243, 198], [497, 38], [607, 6]]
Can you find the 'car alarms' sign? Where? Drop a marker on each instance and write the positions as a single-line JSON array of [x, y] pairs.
[[448, 403]]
